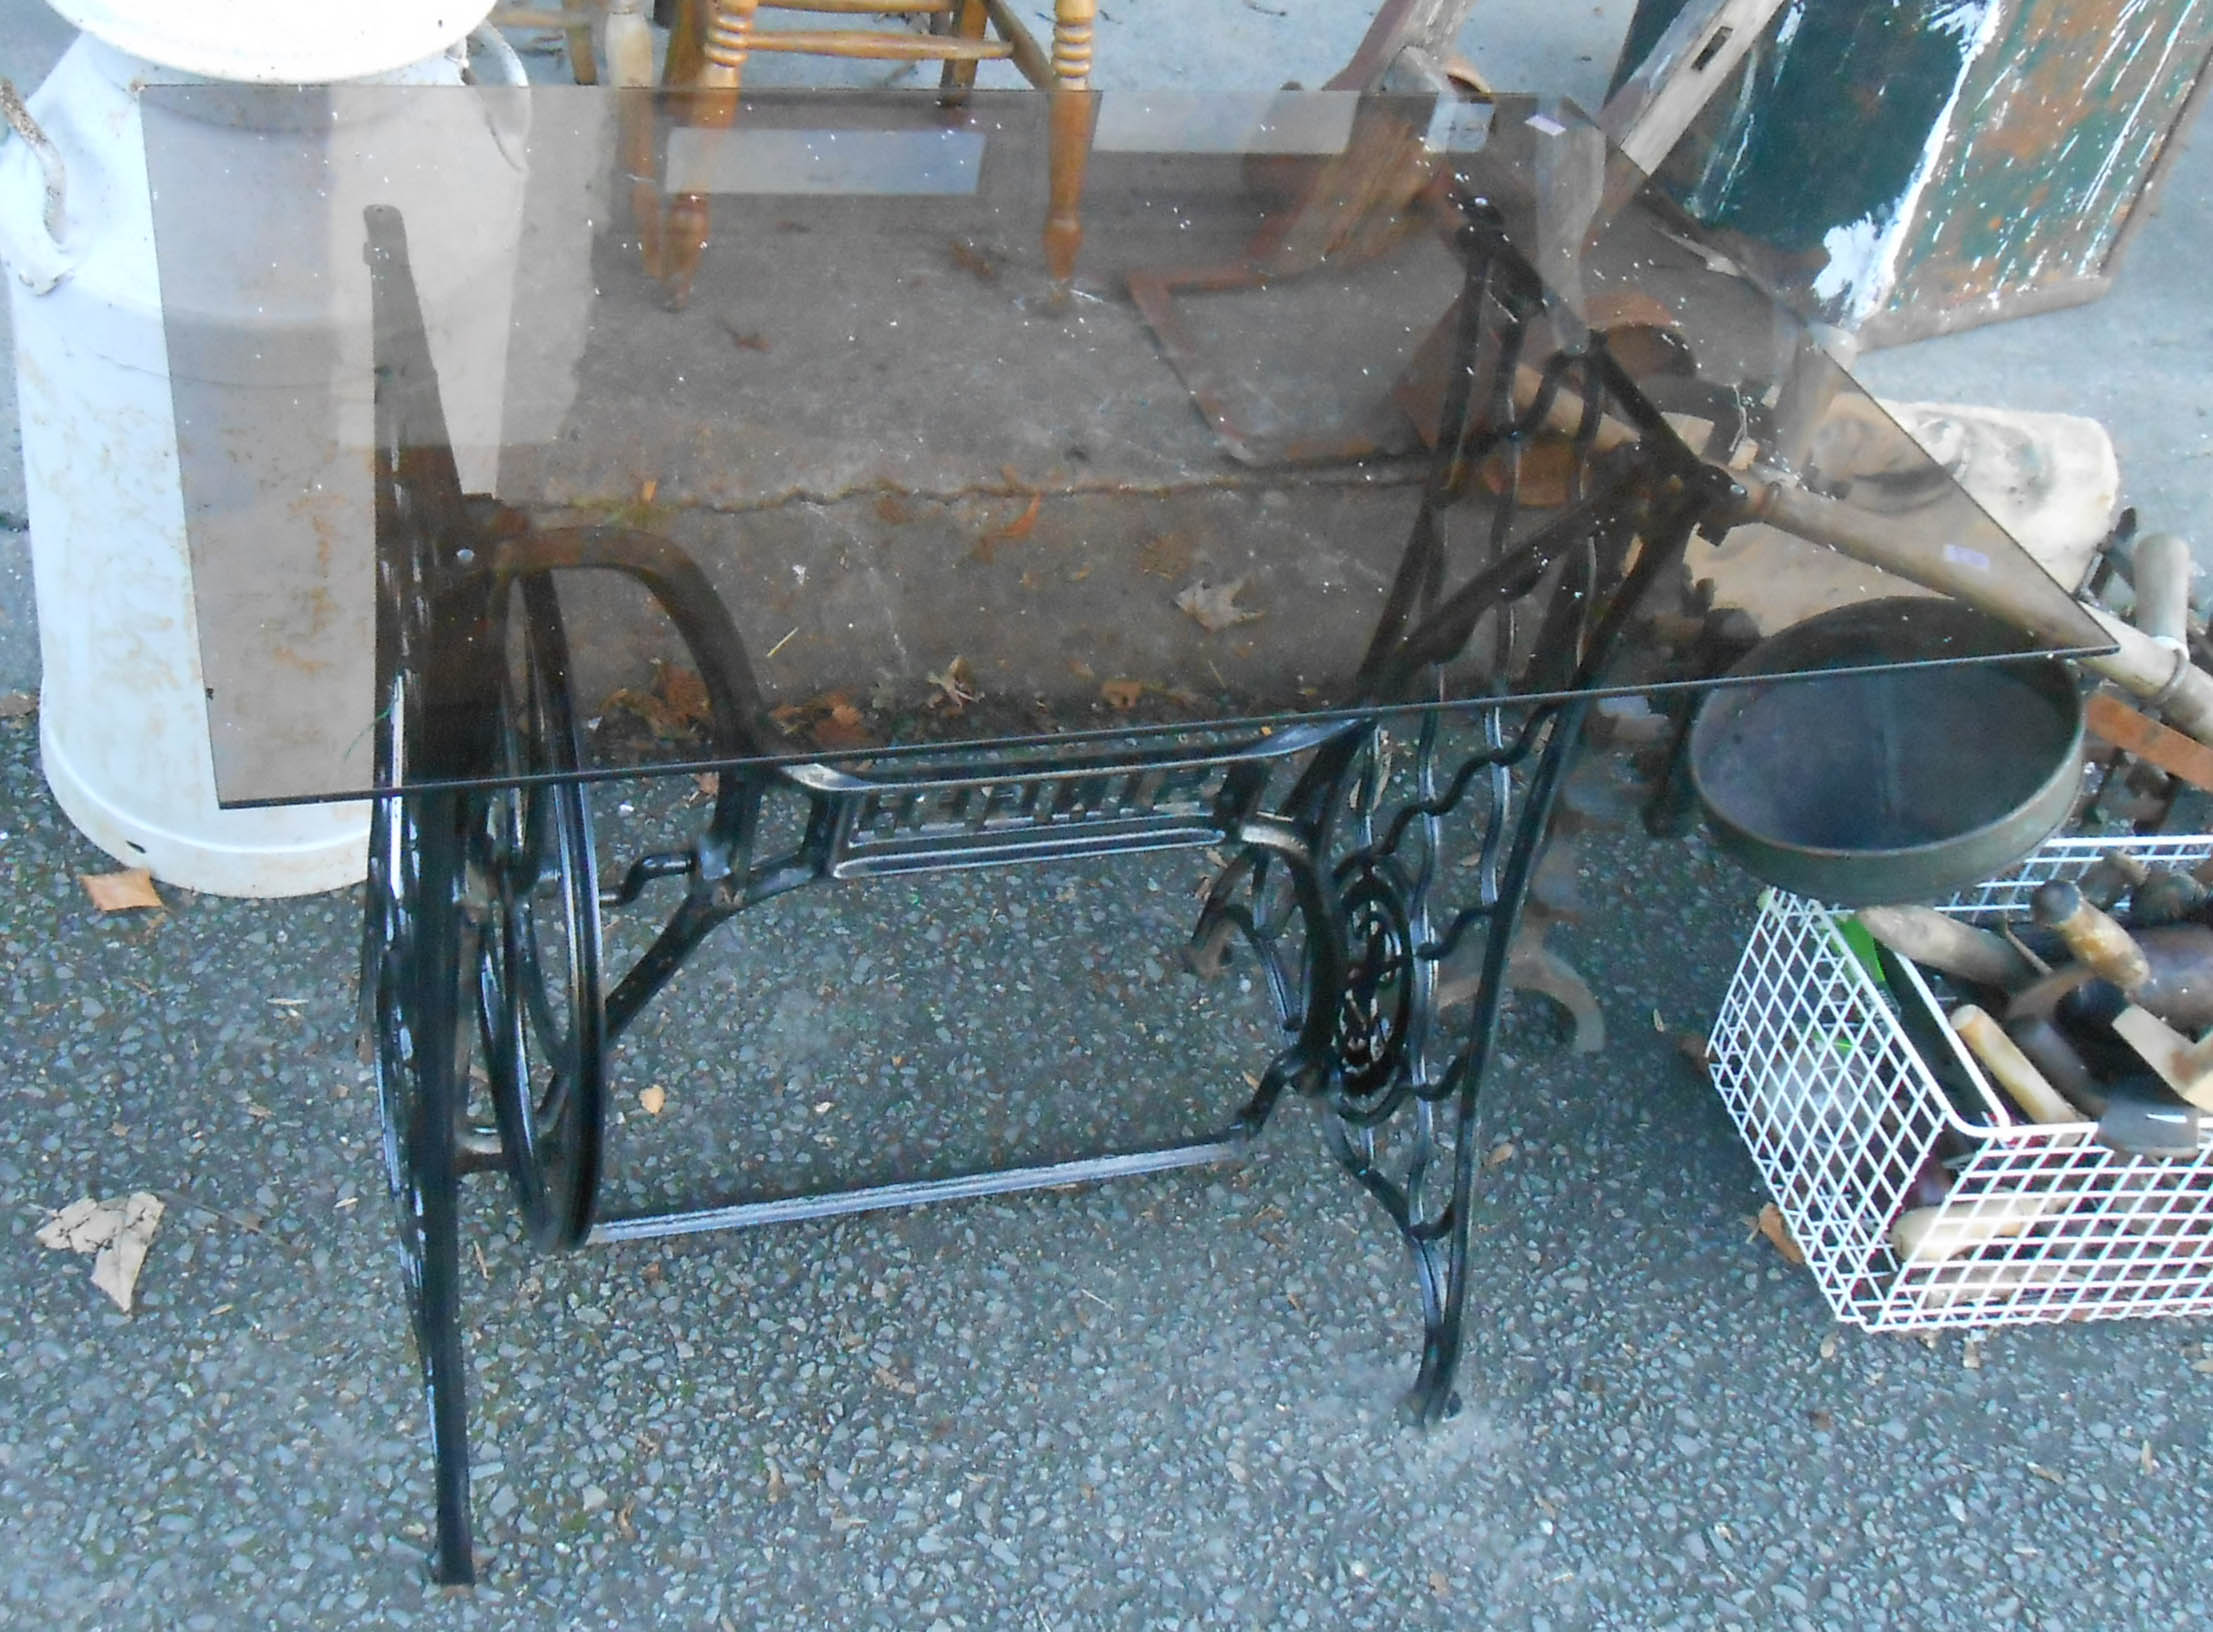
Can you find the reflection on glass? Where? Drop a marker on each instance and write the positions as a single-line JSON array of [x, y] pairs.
[[1349, 402]]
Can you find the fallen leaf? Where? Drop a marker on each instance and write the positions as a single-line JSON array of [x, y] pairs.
[[1014, 531], [17, 705], [2046, 1474], [1214, 606], [775, 1483], [676, 706], [1500, 1154], [1659, 1025], [1024, 524], [842, 725], [1770, 1224], [2203, 1367], [2144, 1458], [1970, 1354], [647, 488], [956, 686], [1122, 693], [973, 259], [120, 892], [887, 1378], [1828, 1347], [709, 783], [747, 339], [650, 1100], [833, 720], [117, 1233]]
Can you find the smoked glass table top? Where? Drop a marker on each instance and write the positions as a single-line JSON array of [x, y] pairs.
[[815, 345]]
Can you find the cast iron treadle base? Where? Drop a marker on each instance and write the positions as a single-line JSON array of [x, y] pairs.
[[1358, 890]]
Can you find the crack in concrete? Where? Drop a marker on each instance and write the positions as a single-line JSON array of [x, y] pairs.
[[1406, 472]]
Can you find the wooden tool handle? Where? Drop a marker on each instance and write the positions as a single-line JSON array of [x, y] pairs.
[[2026, 1086], [2092, 936], [1929, 1235], [1927, 936]]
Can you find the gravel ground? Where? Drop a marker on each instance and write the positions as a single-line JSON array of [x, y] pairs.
[[1164, 1403], [1167, 1402]]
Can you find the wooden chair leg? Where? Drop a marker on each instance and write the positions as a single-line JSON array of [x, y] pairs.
[[959, 78], [1070, 150], [630, 68], [728, 42], [687, 53]]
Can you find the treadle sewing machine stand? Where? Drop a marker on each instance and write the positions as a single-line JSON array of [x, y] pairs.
[[1416, 365], [457, 877]]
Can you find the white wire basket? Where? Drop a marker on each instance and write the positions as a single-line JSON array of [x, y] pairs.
[[1842, 1116]]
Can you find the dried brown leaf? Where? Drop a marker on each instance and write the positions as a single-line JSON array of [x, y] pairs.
[[651, 1100], [956, 686], [116, 1233], [1024, 524], [776, 1491], [887, 1378], [1122, 693], [122, 891], [1770, 1224], [676, 706], [17, 705], [1214, 606], [972, 258], [1500, 1154], [841, 724]]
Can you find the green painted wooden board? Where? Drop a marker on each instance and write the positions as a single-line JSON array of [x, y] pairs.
[[1904, 168]]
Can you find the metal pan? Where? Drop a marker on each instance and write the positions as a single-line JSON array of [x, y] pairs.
[[1895, 786]]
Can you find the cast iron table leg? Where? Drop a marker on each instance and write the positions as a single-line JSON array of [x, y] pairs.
[[414, 963]]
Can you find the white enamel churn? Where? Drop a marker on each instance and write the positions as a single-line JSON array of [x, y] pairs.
[[276, 445]]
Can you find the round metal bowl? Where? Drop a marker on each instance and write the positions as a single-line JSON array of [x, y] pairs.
[[1863, 789]]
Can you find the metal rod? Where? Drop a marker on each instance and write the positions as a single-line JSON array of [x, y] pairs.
[[747, 1215]]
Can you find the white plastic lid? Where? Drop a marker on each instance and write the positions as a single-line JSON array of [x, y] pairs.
[[294, 42]]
